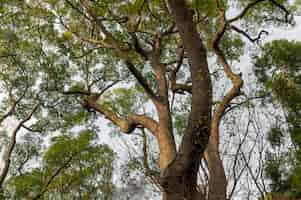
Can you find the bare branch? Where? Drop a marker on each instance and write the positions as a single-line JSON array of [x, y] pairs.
[[106, 88], [288, 18], [256, 39], [32, 130], [237, 105], [236, 178], [140, 78], [81, 93], [254, 178]]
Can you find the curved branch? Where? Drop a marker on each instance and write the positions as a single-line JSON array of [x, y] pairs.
[[244, 33], [126, 125], [235, 78], [251, 5]]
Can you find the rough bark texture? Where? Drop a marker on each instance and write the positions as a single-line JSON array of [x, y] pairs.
[[179, 179]]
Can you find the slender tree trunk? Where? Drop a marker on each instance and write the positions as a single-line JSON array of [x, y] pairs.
[[217, 180]]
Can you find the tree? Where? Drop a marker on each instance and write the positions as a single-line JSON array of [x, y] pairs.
[[278, 69], [114, 58]]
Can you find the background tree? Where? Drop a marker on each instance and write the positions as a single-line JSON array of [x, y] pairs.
[[72, 168], [278, 69]]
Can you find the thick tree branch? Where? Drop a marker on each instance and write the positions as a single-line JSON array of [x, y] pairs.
[[159, 69], [201, 83], [126, 125]]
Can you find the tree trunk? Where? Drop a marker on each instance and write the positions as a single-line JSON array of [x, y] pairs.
[[217, 180], [179, 178], [184, 188]]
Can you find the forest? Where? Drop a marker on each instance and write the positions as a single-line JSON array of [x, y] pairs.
[[150, 99]]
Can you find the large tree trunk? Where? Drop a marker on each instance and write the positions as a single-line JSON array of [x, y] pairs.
[[179, 178]]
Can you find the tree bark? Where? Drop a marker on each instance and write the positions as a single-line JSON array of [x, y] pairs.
[[179, 179], [217, 179]]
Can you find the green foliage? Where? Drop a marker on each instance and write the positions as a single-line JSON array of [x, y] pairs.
[[123, 100], [233, 46], [72, 168], [278, 69]]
